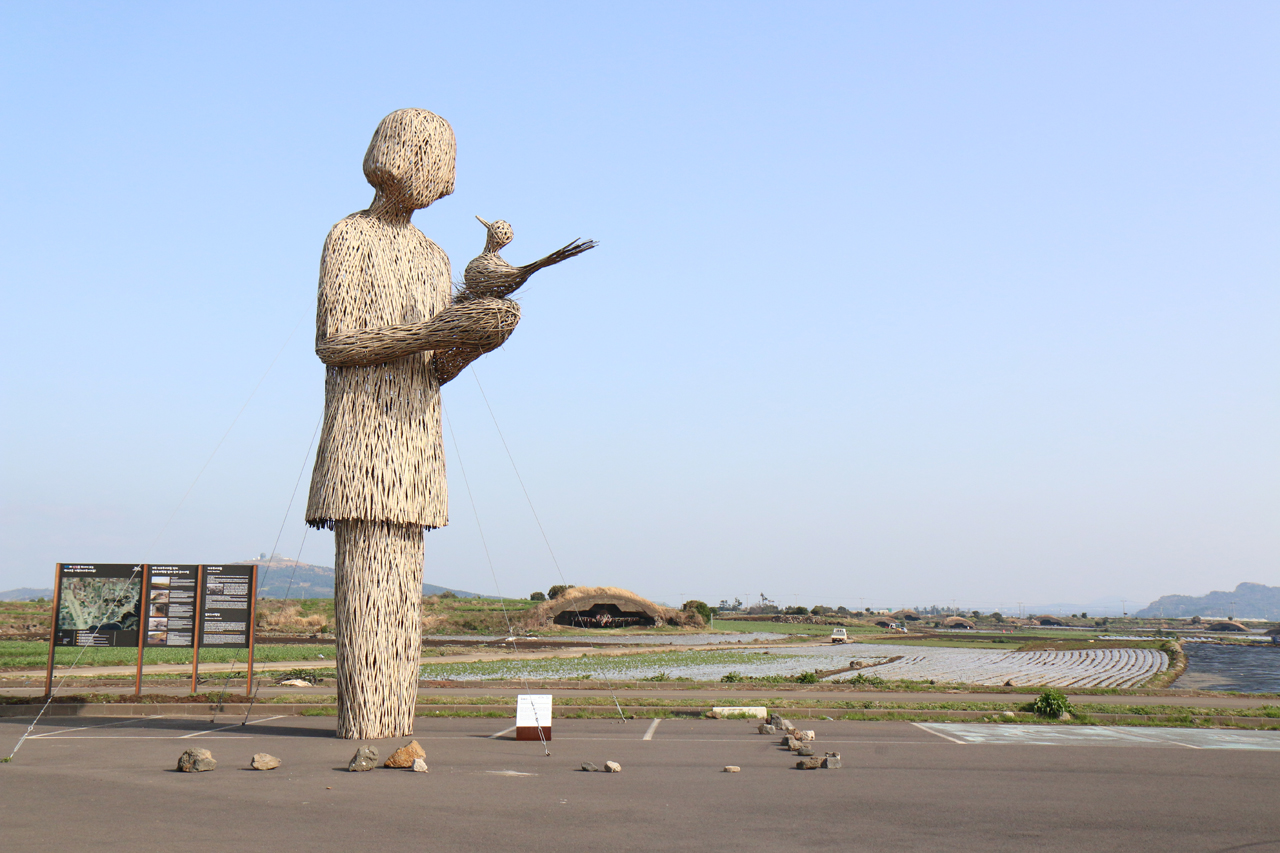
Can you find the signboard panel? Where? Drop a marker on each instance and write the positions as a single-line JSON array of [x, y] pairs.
[[171, 606], [226, 606], [99, 604], [533, 716]]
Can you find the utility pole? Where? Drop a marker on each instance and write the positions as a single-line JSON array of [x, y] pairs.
[[1124, 609]]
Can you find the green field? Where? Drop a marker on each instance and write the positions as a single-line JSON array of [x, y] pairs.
[[20, 654]]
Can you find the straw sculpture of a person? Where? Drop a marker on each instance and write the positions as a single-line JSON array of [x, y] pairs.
[[390, 334]]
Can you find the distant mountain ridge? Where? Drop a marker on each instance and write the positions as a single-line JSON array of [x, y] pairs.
[[25, 594], [1248, 601], [280, 577]]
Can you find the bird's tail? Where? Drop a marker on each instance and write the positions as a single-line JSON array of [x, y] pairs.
[[577, 247]]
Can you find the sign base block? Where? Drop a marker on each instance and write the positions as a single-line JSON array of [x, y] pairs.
[[531, 733], [533, 716]]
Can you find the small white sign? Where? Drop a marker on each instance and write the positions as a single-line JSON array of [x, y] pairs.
[[533, 716]]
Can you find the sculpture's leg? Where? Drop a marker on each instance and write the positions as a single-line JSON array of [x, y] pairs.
[[378, 606]]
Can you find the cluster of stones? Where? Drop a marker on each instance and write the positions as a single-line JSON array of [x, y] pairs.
[[411, 756], [609, 767], [197, 760], [800, 742]]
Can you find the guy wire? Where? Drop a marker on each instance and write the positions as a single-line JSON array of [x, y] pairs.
[[195, 639], [476, 376], [457, 453], [276, 544]]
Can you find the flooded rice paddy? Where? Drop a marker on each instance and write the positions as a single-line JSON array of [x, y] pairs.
[[1241, 668]]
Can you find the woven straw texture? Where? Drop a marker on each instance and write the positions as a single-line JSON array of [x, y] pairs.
[[390, 333], [378, 598]]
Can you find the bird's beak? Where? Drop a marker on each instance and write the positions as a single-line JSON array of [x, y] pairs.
[[482, 222]]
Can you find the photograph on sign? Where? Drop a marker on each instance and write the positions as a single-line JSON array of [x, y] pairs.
[[171, 606], [99, 605]]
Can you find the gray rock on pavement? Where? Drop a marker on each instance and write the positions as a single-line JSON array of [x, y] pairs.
[[589, 767], [804, 751], [775, 720], [813, 763], [767, 729], [419, 765], [366, 758], [263, 761], [196, 760], [831, 761], [613, 767]]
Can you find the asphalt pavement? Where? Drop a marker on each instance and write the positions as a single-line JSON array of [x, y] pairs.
[[903, 787]]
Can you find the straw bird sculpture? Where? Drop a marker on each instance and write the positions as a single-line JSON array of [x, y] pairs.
[[390, 335], [489, 276]]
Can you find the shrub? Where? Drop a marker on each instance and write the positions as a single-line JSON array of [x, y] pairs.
[[800, 610], [863, 678], [807, 677], [448, 593], [1051, 703], [558, 590], [732, 677], [537, 596], [699, 607]]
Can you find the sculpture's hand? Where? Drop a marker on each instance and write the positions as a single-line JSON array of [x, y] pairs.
[[498, 314], [476, 327]]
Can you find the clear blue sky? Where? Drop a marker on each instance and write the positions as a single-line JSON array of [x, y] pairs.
[[895, 303]]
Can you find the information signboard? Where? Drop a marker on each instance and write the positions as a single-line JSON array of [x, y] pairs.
[[171, 606], [144, 606], [226, 606], [98, 604]]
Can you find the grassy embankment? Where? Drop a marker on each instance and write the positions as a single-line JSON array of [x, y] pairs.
[[1019, 711], [28, 654]]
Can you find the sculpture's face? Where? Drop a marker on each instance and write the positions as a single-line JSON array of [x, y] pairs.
[[412, 158]]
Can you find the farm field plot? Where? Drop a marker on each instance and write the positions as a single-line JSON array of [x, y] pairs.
[[1074, 668]]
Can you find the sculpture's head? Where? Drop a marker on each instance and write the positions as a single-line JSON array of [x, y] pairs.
[[500, 234], [411, 158]]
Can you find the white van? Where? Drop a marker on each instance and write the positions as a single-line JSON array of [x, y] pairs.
[[839, 635]]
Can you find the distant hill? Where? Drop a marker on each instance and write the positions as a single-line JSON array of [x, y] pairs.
[[25, 594], [279, 576], [1248, 601]]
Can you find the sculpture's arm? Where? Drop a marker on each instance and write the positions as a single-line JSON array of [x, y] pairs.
[[475, 328]]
